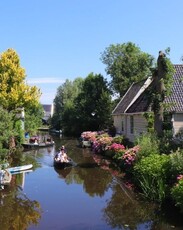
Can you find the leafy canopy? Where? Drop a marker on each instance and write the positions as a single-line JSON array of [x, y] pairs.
[[93, 104], [126, 63], [14, 92]]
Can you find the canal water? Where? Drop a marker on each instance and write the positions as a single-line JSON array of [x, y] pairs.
[[88, 196]]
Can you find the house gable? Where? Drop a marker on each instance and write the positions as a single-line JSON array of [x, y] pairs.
[[48, 111], [136, 101], [128, 98], [175, 100]]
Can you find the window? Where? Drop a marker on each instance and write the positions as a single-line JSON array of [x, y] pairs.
[[131, 124], [122, 125]]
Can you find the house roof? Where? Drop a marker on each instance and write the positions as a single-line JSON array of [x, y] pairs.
[[47, 108], [176, 97], [138, 99], [128, 97]]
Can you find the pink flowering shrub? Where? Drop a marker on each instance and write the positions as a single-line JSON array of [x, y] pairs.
[[115, 150], [179, 177], [89, 136], [101, 143], [177, 192], [116, 147], [104, 141], [96, 147], [130, 155]]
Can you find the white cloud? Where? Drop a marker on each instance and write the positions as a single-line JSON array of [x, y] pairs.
[[46, 80]]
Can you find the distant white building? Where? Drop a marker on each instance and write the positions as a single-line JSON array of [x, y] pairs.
[[48, 111]]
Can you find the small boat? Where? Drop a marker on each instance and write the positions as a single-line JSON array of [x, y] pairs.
[[5, 177], [62, 165], [39, 145], [19, 168]]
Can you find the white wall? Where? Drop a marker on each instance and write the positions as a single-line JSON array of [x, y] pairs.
[[140, 125], [177, 122]]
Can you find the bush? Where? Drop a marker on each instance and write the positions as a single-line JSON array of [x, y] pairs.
[[148, 145], [115, 150], [177, 193], [150, 174], [118, 139], [176, 164]]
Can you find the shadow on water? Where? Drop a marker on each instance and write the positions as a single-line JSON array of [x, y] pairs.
[[89, 195]]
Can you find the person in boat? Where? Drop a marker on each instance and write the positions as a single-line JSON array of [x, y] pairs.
[[62, 155], [36, 142]]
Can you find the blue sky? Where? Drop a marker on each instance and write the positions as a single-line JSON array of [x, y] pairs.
[[63, 39]]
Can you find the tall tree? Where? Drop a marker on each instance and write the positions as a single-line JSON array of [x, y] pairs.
[[64, 102], [6, 132], [14, 92], [33, 118], [93, 104], [163, 80], [126, 63]]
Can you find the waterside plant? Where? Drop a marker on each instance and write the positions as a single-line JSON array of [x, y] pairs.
[[152, 172]]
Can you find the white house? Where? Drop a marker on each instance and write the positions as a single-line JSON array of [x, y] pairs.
[[128, 114], [48, 111]]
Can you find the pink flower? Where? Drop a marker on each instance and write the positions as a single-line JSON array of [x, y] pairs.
[[116, 147], [179, 177], [130, 155]]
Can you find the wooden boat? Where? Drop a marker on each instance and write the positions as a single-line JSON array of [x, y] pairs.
[[61, 164], [5, 177], [39, 145], [19, 168]]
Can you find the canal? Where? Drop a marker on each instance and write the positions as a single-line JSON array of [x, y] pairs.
[[89, 196]]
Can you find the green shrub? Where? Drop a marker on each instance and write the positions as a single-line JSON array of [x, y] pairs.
[[176, 164], [118, 139], [151, 175], [165, 142], [177, 193], [148, 145]]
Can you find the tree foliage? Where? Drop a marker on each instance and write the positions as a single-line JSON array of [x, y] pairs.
[[64, 103], [33, 118], [6, 131], [14, 92], [163, 82], [126, 63], [93, 104], [84, 104]]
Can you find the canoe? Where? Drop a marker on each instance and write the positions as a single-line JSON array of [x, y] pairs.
[[19, 168], [36, 146], [5, 177], [62, 165]]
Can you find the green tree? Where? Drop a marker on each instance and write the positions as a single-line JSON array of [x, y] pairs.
[[163, 81], [93, 105], [64, 103], [33, 118], [6, 132], [126, 64], [14, 92]]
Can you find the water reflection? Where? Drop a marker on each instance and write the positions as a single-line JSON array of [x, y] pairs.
[[92, 193], [17, 211], [124, 211]]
